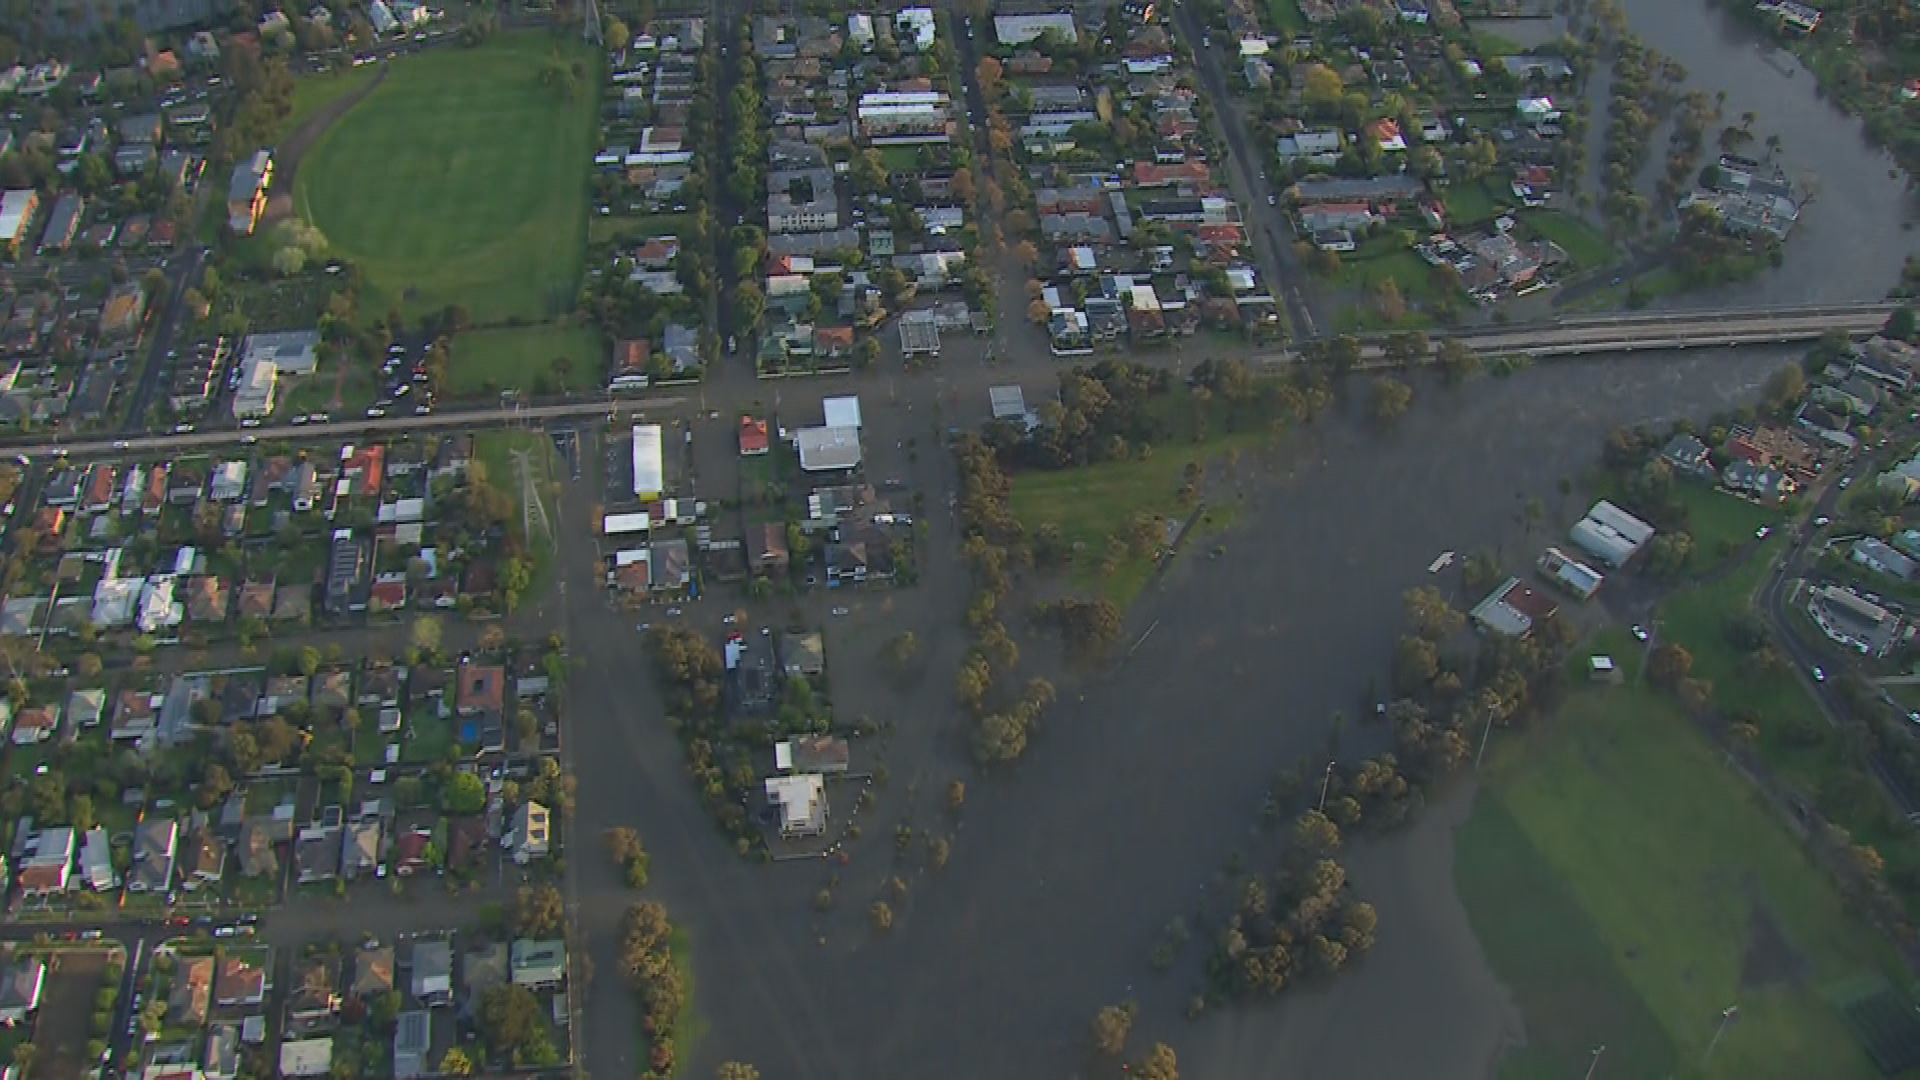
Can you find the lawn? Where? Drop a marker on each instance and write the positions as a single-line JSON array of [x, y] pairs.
[[525, 358], [602, 228], [462, 179], [1472, 204], [1585, 245], [311, 93], [1628, 886], [1285, 18]]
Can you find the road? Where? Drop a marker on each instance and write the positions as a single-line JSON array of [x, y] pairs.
[[1776, 598], [185, 274], [1561, 337], [1267, 228]]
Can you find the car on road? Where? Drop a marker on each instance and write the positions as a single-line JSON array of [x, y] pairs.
[[839, 612], [250, 439], [1640, 633], [1762, 532], [673, 613], [1272, 200], [1819, 675], [1822, 521], [120, 444], [1846, 482]]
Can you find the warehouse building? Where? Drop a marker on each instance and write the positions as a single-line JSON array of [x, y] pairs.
[[1610, 534]]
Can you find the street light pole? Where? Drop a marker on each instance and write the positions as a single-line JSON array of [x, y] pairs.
[[1726, 1016], [1595, 1062], [1325, 781]]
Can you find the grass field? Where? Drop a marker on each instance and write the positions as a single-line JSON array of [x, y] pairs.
[[1585, 245], [311, 93], [1472, 204], [514, 358], [461, 179], [1091, 504], [601, 229], [1628, 886], [1795, 740], [495, 450]]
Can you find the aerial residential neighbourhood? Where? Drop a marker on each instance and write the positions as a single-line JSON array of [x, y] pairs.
[[996, 539]]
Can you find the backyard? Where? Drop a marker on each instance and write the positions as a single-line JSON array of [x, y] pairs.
[[481, 171], [540, 360], [1629, 886]]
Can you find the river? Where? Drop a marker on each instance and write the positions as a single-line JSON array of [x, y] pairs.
[[1853, 233]]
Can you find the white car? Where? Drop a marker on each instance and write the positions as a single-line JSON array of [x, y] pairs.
[[1819, 675], [1822, 521], [1761, 532], [1640, 633], [1846, 482]]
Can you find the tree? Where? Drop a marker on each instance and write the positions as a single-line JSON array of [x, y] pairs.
[[1390, 398], [538, 910], [456, 1062], [866, 354], [1457, 361], [1315, 834], [425, 634], [900, 651], [1785, 386], [1902, 324], [1667, 665], [881, 916], [615, 34], [1159, 1064], [1111, 1026], [1432, 617], [510, 1018], [734, 1070], [956, 794], [464, 795]]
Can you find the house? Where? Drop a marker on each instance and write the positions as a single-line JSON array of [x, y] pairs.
[[1852, 620], [316, 854], [45, 867], [528, 838], [537, 965], [410, 851], [1876, 555], [802, 803], [1765, 483], [20, 990], [1569, 573], [35, 725], [812, 754], [96, 861], [1687, 454], [802, 654], [155, 842], [372, 972], [192, 991], [222, 1058], [360, 848], [1513, 609], [432, 981], [349, 564], [412, 1043], [241, 980], [314, 998], [258, 855], [306, 1057], [206, 860], [247, 191], [629, 365], [63, 224], [766, 544], [480, 688], [1319, 148], [17, 210], [483, 967], [753, 437]]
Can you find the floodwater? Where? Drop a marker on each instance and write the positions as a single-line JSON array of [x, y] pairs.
[[1854, 232]]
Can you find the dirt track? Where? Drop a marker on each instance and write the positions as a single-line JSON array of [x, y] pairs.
[[293, 149]]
